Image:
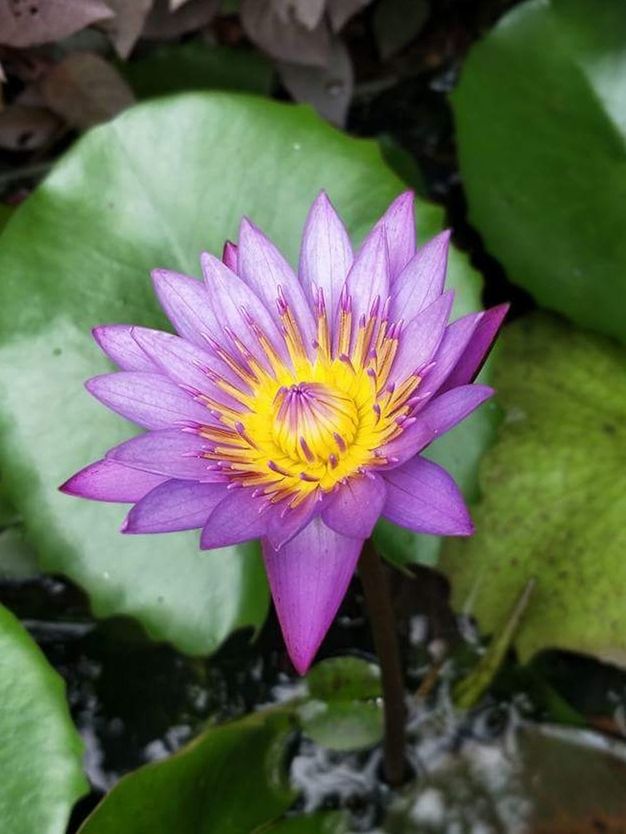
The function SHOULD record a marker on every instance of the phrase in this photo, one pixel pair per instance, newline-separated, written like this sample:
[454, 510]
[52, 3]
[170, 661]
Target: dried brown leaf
[32, 22]
[340, 11]
[328, 89]
[85, 90]
[285, 40]
[163, 24]
[126, 27]
[27, 128]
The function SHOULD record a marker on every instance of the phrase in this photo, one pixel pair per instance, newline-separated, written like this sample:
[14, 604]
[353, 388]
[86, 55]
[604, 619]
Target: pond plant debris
[294, 408]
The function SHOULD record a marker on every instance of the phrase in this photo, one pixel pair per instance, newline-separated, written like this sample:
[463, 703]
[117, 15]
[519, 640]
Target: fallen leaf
[27, 128]
[163, 24]
[328, 89]
[33, 22]
[126, 27]
[287, 41]
[85, 90]
[340, 11]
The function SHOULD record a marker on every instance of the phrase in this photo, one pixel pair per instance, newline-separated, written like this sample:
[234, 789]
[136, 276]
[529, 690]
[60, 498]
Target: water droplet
[334, 88]
[297, 146]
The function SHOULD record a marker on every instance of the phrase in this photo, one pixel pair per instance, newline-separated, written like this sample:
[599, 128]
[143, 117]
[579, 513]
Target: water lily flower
[295, 408]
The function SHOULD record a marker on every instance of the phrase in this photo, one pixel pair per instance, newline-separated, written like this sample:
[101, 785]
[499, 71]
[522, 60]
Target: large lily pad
[228, 780]
[554, 495]
[40, 751]
[541, 135]
[154, 187]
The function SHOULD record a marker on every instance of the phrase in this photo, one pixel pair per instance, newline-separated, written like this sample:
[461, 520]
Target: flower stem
[382, 623]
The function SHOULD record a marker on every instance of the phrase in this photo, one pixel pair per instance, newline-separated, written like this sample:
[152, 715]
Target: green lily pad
[40, 751]
[342, 725]
[154, 187]
[554, 491]
[229, 780]
[343, 678]
[328, 823]
[196, 65]
[541, 136]
[18, 559]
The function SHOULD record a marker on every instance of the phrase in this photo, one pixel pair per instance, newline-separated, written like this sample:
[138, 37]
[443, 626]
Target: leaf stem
[382, 623]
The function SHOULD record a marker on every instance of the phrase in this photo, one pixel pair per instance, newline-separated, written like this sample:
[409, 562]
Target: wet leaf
[342, 725]
[85, 90]
[198, 66]
[229, 780]
[40, 751]
[32, 22]
[554, 494]
[343, 679]
[328, 89]
[78, 252]
[27, 128]
[546, 182]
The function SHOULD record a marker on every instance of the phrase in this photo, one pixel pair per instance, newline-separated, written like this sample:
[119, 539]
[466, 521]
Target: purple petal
[174, 505]
[106, 480]
[173, 453]
[325, 255]
[268, 274]
[478, 349]
[285, 523]
[234, 305]
[354, 508]
[116, 342]
[230, 257]
[150, 400]
[422, 279]
[187, 364]
[238, 517]
[308, 578]
[368, 278]
[440, 415]
[421, 338]
[454, 342]
[423, 497]
[399, 222]
[186, 303]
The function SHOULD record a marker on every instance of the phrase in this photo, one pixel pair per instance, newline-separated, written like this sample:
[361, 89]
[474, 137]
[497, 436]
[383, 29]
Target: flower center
[313, 422]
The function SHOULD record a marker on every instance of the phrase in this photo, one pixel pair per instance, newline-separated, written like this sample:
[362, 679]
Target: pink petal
[309, 578]
[237, 518]
[423, 497]
[268, 274]
[106, 480]
[399, 222]
[422, 279]
[234, 305]
[478, 349]
[440, 415]
[174, 505]
[187, 364]
[325, 255]
[455, 340]
[172, 453]
[354, 508]
[150, 400]
[186, 304]
[230, 257]
[421, 338]
[368, 278]
[116, 342]
[285, 523]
